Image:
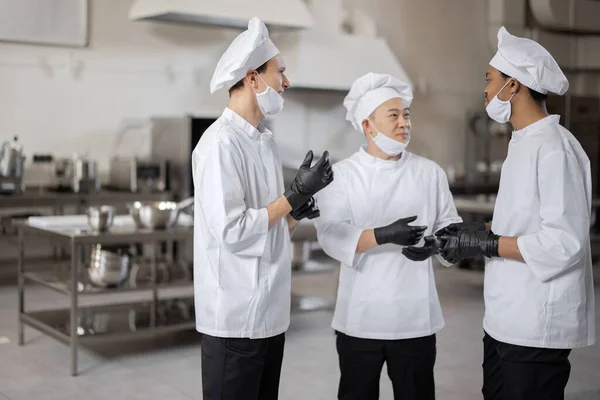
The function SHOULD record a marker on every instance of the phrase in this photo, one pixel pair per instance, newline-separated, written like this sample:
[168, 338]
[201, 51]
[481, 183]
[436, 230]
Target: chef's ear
[366, 127]
[514, 86]
[252, 78]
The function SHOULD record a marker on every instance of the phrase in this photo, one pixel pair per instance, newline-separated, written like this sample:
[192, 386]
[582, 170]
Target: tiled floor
[169, 367]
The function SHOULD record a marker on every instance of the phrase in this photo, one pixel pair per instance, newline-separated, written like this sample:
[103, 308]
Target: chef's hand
[453, 229]
[309, 180]
[469, 244]
[430, 248]
[307, 210]
[400, 232]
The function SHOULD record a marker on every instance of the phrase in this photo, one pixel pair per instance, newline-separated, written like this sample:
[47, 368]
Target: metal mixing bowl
[100, 218]
[107, 268]
[157, 214]
[154, 214]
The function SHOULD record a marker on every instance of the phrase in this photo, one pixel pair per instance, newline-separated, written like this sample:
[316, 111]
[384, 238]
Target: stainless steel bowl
[157, 214]
[100, 218]
[108, 269]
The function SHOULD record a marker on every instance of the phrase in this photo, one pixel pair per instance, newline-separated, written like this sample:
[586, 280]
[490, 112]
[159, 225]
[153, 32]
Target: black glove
[469, 244]
[309, 180]
[400, 232]
[453, 229]
[307, 210]
[430, 248]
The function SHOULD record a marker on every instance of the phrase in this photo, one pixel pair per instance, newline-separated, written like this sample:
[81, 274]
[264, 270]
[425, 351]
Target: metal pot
[157, 214]
[11, 159]
[108, 269]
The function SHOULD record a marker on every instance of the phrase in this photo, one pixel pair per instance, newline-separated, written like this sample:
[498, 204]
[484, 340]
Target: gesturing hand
[399, 232]
[309, 180]
[430, 248]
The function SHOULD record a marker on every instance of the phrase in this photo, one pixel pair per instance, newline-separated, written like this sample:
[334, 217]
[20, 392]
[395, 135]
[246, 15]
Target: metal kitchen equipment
[11, 167]
[100, 218]
[139, 175]
[108, 268]
[174, 139]
[157, 215]
[77, 174]
[63, 324]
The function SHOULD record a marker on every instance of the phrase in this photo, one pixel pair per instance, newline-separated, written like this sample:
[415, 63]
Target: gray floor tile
[169, 367]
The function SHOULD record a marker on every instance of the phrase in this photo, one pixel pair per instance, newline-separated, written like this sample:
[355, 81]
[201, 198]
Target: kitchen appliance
[11, 167]
[174, 139]
[77, 174]
[139, 175]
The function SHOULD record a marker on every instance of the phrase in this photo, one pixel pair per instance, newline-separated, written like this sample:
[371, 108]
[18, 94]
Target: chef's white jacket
[382, 294]
[242, 269]
[544, 199]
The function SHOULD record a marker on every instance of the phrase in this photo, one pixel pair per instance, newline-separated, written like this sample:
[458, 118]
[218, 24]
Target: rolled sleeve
[565, 218]
[445, 208]
[239, 229]
[336, 235]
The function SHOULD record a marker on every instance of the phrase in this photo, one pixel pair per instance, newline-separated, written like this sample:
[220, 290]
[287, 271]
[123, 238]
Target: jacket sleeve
[445, 208]
[336, 235]
[241, 230]
[565, 218]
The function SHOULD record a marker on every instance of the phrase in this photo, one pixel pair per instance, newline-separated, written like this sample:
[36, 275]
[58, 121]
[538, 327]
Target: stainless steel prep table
[39, 198]
[65, 325]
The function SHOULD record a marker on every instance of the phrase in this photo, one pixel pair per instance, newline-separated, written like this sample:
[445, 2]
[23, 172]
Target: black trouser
[410, 365]
[512, 372]
[235, 369]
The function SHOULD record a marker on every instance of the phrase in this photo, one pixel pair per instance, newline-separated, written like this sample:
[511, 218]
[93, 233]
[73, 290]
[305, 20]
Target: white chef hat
[370, 91]
[251, 49]
[529, 63]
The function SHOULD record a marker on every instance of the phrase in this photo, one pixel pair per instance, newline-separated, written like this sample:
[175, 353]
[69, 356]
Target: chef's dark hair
[537, 96]
[240, 84]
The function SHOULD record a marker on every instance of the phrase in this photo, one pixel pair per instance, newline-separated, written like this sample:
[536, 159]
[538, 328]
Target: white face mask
[270, 102]
[388, 145]
[498, 110]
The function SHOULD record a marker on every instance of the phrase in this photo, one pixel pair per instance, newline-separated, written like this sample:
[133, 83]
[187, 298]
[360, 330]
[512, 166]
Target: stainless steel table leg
[154, 305]
[74, 338]
[21, 271]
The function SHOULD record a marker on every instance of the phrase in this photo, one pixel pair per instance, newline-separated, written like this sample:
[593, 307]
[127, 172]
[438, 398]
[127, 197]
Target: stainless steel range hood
[224, 13]
[326, 58]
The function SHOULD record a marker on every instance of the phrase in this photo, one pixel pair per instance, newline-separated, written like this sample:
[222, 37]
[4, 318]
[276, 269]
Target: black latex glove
[453, 229]
[309, 180]
[469, 244]
[400, 232]
[430, 248]
[307, 210]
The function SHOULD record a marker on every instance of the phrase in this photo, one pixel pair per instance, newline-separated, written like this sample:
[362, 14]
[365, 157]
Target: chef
[539, 294]
[384, 198]
[242, 256]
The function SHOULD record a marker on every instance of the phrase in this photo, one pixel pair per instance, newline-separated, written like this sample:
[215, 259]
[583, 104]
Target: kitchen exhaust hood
[325, 58]
[224, 13]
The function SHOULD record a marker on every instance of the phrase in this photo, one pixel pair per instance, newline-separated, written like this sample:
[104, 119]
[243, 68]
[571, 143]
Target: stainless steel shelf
[62, 285]
[113, 322]
[107, 322]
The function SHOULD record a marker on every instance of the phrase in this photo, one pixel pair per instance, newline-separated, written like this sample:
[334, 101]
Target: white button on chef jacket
[544, 199]
[242, 269]
[382, 294]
